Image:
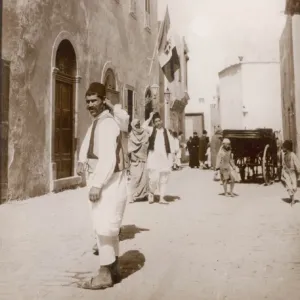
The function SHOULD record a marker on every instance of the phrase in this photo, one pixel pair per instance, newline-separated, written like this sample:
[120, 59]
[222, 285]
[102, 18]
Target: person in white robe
[122, 119]
[159, 162]
[103, 158]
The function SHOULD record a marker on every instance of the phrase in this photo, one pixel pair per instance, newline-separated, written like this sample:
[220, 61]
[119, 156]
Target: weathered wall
[231, 98]
[261, 95]
[287, 81]
[100, 31]
[296, 57]
[214, 118]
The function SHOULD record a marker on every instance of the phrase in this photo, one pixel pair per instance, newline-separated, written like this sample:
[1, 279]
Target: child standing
[290, 169]
[226, 166]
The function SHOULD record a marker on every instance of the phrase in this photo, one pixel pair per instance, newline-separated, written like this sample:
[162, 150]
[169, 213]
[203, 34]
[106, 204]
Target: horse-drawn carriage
[255, 153]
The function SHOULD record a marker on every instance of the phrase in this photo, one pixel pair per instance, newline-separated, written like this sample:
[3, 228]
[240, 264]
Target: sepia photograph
[150, 150]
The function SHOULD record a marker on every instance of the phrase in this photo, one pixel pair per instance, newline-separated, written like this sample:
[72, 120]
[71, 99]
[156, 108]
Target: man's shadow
[131, 262]
[128, 232]
[288, 200]
[170, 198]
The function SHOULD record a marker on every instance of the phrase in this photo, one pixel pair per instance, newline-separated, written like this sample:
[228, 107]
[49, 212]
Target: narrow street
[202, 246]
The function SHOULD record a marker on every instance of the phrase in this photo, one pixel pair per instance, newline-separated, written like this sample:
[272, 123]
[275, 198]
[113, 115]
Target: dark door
[5, 71]
[130, 106]
[63, 149]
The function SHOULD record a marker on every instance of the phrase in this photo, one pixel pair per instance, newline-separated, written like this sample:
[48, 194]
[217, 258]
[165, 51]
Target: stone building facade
[178, 92]
[55, 50]
[290, 74]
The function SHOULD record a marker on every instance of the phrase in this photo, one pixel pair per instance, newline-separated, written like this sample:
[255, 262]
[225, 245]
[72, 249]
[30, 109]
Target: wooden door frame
[75, 82]
[54, 184]
[4, 130]
[72, 81]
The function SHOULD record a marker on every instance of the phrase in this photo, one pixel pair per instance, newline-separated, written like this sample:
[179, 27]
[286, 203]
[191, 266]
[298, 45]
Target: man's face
[157, 123]
[227, 146]
[195, 134]
[95, 105]
[284, 150]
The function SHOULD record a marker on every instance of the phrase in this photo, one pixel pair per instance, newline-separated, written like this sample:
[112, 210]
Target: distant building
[290, 74]
[194, 122]
[215, 123]
[250, 96]
[178, 92]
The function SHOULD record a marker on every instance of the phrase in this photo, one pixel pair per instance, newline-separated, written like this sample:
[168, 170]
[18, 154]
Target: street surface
[202, 246]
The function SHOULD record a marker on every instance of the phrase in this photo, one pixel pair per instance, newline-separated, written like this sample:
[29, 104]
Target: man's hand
[108, 103]
[94, 194]
[80, 168]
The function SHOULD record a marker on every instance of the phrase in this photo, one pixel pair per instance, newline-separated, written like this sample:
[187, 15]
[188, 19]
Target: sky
[218, 31]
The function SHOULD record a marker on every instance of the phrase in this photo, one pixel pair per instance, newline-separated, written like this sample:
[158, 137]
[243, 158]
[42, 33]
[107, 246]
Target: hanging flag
[167, 51]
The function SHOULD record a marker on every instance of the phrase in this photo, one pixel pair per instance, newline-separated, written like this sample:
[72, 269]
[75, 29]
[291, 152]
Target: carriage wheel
[268, 166]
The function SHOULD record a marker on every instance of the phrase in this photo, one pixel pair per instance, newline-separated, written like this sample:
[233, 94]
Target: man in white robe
[160, 159]
[103, 158]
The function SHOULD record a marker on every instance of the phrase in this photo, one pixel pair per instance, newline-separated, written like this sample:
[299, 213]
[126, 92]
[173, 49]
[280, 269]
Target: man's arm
[83, 153]
[120, 115]
[146, 124]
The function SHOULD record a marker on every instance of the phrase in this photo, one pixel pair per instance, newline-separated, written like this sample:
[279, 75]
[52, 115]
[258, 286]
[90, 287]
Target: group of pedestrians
[199, 151]
[116, 164]
[151, 152]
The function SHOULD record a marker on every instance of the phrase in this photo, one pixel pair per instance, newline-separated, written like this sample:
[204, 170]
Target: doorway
[130, 107]
[5, 84]
[64, 144]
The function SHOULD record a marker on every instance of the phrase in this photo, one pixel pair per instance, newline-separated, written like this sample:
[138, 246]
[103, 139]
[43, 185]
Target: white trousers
[158, 181]
[108, 247]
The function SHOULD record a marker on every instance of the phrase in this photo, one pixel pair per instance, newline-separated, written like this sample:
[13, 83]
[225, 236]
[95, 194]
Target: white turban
[226, 141]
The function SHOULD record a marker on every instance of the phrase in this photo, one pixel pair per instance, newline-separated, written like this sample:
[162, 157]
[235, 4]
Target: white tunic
[158, 159]
[107, 213]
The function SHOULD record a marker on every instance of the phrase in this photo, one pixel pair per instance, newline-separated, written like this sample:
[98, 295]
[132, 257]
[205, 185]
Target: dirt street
[202, 246]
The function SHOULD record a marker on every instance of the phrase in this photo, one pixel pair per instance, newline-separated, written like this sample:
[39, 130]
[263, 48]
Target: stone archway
[148, 103]
[63, 131]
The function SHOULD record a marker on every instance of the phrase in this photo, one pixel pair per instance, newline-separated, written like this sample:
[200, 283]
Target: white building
[250, 96]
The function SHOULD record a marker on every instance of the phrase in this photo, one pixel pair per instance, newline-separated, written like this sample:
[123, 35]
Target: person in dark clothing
[188, 148]
[194, 151]
[203, 143]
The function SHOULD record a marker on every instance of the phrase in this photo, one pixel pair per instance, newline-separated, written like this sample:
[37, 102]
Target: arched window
[110, 84]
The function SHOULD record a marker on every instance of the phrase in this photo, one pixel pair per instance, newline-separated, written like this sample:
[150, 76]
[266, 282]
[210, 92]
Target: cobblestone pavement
[201, 246]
